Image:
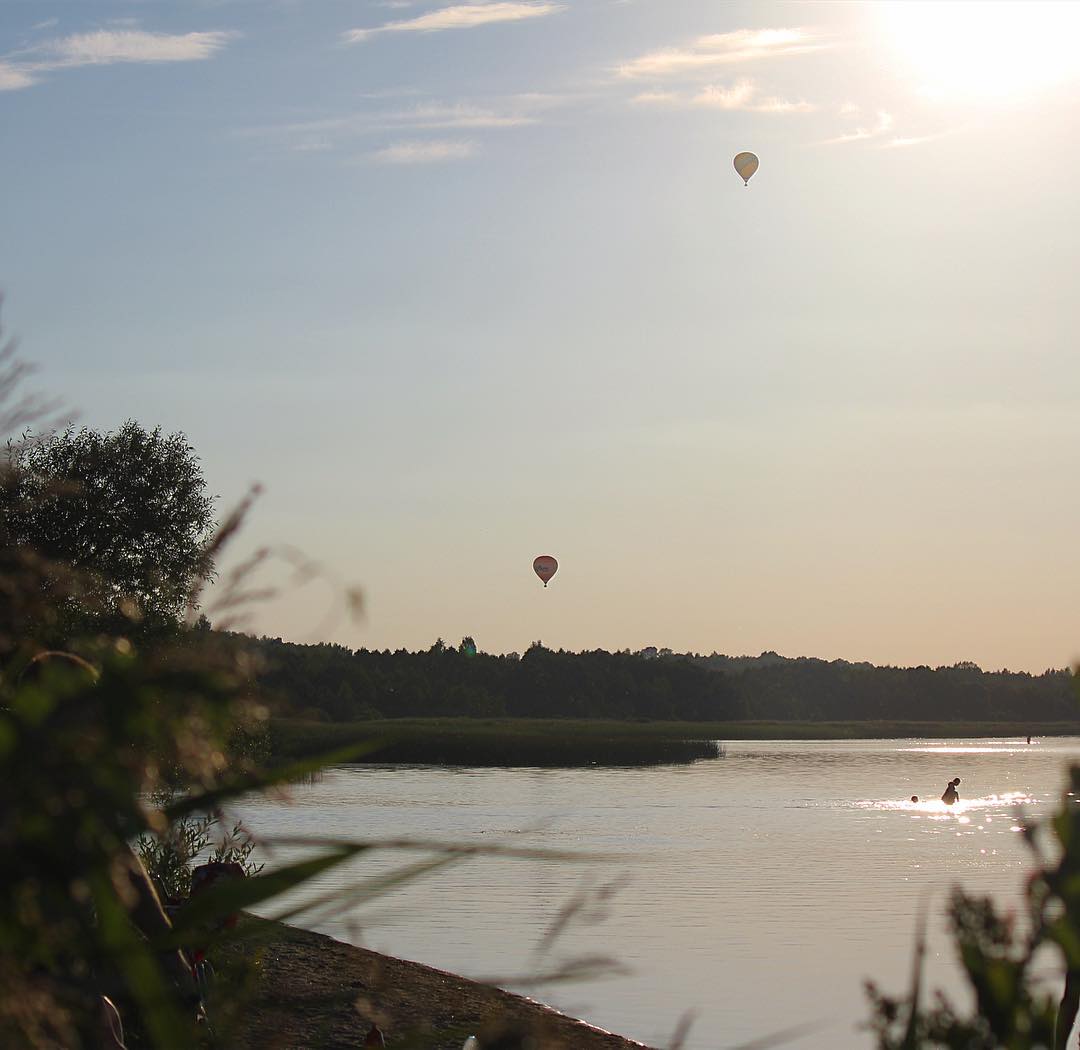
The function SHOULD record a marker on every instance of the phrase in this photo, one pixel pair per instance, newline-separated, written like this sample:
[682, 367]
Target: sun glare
[980, 50]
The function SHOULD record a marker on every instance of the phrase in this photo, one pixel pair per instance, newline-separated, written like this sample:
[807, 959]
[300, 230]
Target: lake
[758, 890]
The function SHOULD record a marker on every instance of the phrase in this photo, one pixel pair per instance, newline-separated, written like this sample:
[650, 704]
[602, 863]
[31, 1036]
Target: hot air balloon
[746, 165]
[545, 567]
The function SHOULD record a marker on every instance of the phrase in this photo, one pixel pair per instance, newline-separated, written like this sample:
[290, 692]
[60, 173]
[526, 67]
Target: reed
[497, 742]
[570, 743]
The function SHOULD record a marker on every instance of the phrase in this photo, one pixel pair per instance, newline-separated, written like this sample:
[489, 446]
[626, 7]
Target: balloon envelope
[746, 165]
[545, 567]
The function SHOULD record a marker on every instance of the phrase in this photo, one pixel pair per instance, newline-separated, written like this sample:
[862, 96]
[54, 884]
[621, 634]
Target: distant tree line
[807, 689]
[335, 683]
[340, 684]
[117, 526]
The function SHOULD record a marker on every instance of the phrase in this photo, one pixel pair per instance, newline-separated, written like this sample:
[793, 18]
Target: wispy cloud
[462, 116]
[742, 95]
[128, 45]
[735, 97]
[326, 133]
[656, 98]
[106, 47]
[881, 134]
[13, 78]
[774, 104]
[460, 16]
[882, 125]
[903, 141]
[430, 151]
[717, 49]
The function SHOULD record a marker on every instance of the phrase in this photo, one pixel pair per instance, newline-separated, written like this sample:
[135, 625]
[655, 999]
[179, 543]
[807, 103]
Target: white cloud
[461, 116]
[735, 97]
[741, 45]
[881, 126]
[513, 111]
[431, 151]
[881, 133]
[903, 141]
[105, 47]
[742, 95]
[12, 78]
[782, 105]
[460, 16]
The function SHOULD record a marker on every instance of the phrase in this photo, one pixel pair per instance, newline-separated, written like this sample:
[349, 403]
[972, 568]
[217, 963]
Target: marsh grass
[498, 742]
[570, 743]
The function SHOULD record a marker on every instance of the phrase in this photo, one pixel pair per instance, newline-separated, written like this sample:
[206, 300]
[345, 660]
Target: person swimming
[914, 798]
[950, 794]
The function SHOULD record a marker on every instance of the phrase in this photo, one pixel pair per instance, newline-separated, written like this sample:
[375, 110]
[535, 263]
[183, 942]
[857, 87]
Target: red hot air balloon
[545, 567]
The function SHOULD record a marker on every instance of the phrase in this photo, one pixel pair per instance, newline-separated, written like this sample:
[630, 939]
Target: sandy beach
[309, 990]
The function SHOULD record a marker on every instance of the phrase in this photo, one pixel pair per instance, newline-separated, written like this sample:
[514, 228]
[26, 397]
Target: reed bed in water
[497, 742]
[569, 743]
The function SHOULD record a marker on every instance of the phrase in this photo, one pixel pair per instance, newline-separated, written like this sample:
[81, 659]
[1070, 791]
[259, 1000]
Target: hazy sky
[461, 284]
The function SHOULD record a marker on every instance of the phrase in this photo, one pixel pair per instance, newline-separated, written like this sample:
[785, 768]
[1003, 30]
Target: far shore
[888, 730]
[579, 743]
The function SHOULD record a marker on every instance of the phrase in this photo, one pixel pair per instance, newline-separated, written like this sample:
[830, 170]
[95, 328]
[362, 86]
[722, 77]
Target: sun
[984, 50]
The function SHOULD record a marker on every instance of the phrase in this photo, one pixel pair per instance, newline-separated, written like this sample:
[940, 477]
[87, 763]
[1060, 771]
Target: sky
[458, 284]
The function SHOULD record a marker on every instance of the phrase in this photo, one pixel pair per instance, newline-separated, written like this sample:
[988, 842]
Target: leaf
[141, 971]
[257, 781]
[228, 897]
[370, 888]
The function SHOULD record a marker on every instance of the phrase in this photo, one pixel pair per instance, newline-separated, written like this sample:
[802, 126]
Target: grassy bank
[552, 742]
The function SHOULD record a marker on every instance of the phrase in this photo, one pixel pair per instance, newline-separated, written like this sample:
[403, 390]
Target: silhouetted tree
[127, 510]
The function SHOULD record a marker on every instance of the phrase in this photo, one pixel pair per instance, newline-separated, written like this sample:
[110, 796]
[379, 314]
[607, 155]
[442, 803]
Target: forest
[330, 682]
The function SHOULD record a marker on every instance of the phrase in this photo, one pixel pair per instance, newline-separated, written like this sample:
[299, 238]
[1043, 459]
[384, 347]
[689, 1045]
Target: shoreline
[309, 990]
[891, 729]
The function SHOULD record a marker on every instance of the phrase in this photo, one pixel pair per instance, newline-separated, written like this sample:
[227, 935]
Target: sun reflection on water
[964, 749]
[1006, 804]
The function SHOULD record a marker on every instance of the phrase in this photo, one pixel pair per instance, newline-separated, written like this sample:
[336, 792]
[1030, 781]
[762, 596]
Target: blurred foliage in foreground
[93, 559]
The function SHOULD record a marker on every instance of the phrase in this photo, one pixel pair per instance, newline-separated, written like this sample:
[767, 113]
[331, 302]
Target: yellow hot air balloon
[746, 165]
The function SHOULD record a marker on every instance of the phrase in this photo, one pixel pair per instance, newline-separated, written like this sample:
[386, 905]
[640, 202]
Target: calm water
[759, 891]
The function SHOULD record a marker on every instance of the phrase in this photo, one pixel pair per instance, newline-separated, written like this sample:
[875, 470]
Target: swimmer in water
[951, 795]
[914, 798]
